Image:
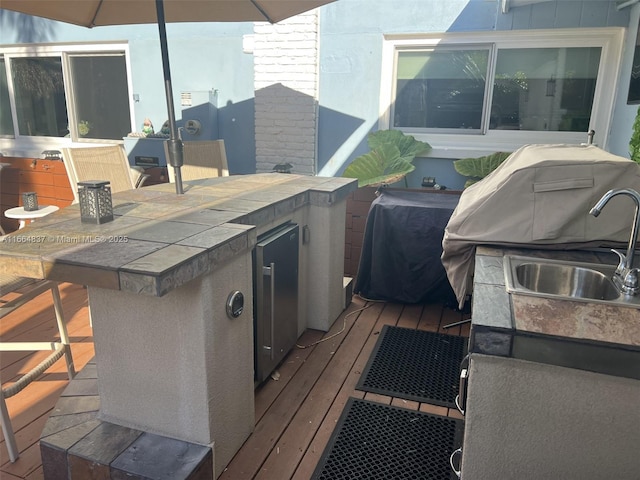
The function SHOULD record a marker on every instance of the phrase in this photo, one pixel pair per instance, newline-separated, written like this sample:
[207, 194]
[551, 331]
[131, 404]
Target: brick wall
[286, 92]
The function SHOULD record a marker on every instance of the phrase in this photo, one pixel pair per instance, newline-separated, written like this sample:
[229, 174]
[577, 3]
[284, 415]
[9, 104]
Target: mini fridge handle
[270, 271]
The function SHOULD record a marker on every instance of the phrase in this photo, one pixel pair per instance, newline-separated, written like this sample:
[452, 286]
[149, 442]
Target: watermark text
[70, 239]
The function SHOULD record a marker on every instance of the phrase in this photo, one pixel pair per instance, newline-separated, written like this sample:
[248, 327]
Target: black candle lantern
[30, 201]
[94, 197]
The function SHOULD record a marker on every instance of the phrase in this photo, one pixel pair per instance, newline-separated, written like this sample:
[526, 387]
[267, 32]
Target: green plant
[634, 143]
[390, 159]
[479, 167]
[84, 127]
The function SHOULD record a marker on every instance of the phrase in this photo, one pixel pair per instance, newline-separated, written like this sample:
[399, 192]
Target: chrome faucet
[625, 277]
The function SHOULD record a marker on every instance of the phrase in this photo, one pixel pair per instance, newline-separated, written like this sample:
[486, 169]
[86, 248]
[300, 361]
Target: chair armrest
[142, 180]
[138, 177]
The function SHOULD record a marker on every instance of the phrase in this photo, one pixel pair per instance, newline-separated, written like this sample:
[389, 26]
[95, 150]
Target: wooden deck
[30, 408]
[295, 415]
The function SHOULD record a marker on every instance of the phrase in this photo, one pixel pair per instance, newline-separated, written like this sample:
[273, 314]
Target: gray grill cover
[540, 197]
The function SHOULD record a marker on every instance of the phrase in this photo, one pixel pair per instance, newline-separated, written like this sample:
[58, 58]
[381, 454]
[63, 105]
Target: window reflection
[6, 121]
[544, 89]
[40, 99]
[80, 95]
[100, 96]
[441, 89]
[534, 89]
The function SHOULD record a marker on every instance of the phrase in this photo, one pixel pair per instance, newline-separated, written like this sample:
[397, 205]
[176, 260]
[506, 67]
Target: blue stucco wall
[351, 55]
[203, 57]
[209, 56]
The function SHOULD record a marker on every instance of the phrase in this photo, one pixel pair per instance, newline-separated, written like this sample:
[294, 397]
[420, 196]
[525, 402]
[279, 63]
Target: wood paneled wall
[48, 178]
[358, 205]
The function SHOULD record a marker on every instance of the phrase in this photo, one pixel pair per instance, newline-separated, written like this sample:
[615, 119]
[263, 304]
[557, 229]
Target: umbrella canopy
[94, 13]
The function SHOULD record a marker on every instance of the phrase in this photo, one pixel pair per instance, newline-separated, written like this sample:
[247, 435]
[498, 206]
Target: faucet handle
[623, 259]
[626, 279]
[628, 282]
[631, 280]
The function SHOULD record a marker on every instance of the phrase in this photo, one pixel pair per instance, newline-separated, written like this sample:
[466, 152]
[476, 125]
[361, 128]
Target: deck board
[30, 408]
[290, 448]
[295, 415]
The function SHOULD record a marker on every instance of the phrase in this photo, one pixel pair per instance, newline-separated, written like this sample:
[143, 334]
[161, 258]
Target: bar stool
[28, 289]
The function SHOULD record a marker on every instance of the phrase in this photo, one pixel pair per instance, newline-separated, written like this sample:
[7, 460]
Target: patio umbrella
[95, 13]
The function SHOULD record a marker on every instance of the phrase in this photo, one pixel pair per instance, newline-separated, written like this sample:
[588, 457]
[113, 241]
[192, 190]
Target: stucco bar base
[76, 444]
[177, 366]
[535, 421]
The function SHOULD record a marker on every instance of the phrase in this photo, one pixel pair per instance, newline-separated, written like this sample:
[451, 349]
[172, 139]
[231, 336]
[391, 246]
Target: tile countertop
[586, 336]
[159, 240]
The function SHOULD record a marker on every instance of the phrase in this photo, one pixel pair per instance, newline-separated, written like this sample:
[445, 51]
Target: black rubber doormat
[415, 365]
[375, 441]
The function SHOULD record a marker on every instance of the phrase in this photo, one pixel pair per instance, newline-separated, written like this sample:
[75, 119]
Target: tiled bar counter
[170, 362]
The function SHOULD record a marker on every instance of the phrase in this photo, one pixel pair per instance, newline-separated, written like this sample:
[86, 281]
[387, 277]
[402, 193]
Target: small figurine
[166, 129]
[147, 127]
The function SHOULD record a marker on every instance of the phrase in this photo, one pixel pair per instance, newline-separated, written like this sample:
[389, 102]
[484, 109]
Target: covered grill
[540, 197]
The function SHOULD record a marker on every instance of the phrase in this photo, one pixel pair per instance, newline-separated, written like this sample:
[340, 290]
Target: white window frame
[456, 145]
[63, 50]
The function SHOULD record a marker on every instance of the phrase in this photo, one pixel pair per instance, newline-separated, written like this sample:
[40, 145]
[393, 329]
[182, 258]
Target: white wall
[286, 91]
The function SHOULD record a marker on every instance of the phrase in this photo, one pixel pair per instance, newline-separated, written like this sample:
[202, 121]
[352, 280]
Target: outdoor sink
[578, 281]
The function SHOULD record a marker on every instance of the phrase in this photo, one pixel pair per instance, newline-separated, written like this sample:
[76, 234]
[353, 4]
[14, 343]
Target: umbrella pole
[175, 149]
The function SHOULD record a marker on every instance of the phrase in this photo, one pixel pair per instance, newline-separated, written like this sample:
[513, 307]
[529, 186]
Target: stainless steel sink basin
[584, 282]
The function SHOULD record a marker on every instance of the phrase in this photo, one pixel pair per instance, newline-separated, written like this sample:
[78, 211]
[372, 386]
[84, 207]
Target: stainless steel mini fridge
[276, 297]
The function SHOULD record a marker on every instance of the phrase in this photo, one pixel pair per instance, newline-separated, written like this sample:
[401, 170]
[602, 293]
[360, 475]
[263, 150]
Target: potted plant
[389, 160]
[634, 143]
[84, 127]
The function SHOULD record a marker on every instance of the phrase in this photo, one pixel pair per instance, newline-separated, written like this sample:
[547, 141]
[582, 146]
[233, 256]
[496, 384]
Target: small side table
[19, 213]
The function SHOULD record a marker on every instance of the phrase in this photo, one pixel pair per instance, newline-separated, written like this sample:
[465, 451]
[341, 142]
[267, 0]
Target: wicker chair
[102, 163]
[203, 159]
[27, 289]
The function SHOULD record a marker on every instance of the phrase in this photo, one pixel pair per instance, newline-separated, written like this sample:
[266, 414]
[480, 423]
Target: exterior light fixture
[94, 197]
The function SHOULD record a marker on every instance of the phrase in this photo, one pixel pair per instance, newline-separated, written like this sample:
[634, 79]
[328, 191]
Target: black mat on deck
[375, 441]
[415, 365]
